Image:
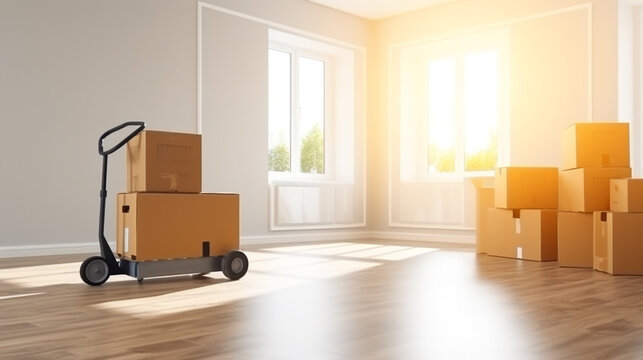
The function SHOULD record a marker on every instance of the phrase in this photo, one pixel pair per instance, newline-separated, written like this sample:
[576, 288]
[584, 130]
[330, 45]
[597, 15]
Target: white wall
[71, 69]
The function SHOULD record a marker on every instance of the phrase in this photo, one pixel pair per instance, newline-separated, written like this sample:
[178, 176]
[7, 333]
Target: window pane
[481, 110]
[311, 115]
[442, 124]
[279, 110]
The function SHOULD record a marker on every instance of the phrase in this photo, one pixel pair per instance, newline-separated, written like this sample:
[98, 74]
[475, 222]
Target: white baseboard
[278, 238]
[51, 249]
[465, 238]
[288, 238]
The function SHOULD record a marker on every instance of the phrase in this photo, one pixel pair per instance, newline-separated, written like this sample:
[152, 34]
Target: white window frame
[458, 48]
[295, 172]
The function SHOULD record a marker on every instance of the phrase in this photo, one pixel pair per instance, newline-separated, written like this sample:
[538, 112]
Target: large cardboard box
[523, 234]
[587, 189]
[575, 239]
[526, 188]
[618, 246]
[596, 145]
[153, 226]
[160, 161]
[626, 195]
[484, 200]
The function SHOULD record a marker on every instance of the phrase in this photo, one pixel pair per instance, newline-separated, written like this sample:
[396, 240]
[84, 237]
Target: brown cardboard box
[626, 195]
[159, 161]
[526, 188]
[484, 200]
[523, 234]
[153, 226]
[618, 247]
[596, 145]
[587, 189]
[575, 239]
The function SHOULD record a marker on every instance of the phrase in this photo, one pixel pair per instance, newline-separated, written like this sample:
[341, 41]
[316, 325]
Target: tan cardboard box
[526, 188]
[160, 161]
[575, 239]
[587, 189]
[618, 247]
[596, 145]
[484, 200]
[153, 226]
[523, 234]
[626, 195]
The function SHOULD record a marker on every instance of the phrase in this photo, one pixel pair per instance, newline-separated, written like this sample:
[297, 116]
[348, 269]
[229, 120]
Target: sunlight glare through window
[481, 111]
[442, 131]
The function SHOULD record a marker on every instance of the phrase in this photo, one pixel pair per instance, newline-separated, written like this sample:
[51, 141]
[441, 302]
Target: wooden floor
[350, 300]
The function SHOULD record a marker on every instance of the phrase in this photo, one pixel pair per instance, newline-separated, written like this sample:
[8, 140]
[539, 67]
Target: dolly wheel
[94, 271]
[234, 265]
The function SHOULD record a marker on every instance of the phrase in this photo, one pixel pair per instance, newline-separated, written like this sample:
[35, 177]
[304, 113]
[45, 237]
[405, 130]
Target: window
[453, 107]
[316, 90]
[462, 113]
[297, 111]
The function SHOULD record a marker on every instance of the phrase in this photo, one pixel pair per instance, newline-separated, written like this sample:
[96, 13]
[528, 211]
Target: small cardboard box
[523, 234]
[618, 249]
[154, 226]
[626, 195]
[575, 239]
[160, 161]
[596, 145]
[587, 189]
[526, 188]
[484, 200]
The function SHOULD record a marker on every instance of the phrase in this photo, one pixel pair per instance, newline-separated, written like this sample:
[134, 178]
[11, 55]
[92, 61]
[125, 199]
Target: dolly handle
[141, 126]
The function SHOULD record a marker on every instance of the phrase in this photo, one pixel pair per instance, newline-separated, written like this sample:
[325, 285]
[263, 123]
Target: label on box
[126, 239]
[518, 252]
[517, 226]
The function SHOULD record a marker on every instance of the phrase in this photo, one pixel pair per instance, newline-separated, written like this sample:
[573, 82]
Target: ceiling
[378, 9]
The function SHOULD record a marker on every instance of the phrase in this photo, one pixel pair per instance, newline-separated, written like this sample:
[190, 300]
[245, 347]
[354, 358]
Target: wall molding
[467, 237]
[281, 238]
[396, 46]
[51, 249]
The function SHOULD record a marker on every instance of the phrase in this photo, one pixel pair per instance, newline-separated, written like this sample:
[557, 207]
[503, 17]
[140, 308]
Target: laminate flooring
[332, 300]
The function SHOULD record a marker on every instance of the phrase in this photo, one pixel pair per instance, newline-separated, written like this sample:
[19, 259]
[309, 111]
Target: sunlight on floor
[44, 275]
[264, 277]
[360, 251]
[253, 284]
[456, 305]
[19, 295]
[271, 269]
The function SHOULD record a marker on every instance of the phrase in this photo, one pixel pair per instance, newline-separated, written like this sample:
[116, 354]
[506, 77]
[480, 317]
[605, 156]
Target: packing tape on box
[603, 229]
[126, 239]
[518, 252]
[517, 226]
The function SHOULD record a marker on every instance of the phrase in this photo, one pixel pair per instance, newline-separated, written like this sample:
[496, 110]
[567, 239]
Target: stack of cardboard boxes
[592, 154]
[590, 214]
[164, 215]
[522, 223]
